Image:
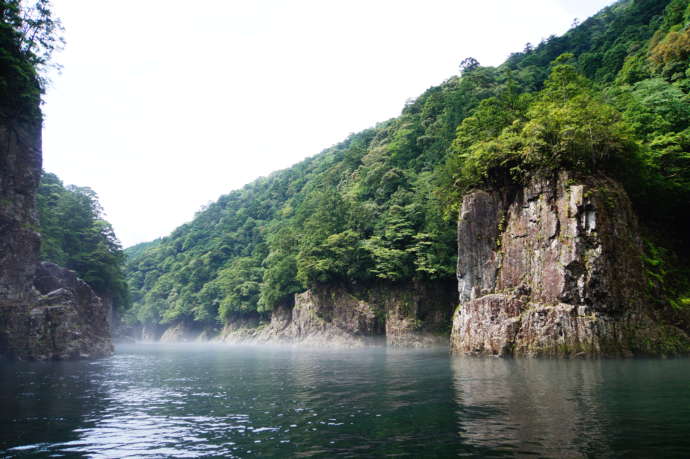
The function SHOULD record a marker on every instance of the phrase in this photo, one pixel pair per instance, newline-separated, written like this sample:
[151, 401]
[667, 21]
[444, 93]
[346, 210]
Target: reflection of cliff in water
[530, 406]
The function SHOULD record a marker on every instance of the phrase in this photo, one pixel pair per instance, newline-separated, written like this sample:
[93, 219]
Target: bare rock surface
[417, 315]
[332, 316]
[69, 320]
[324, 317]
[552, 269]
[179, 333]
[46, 312]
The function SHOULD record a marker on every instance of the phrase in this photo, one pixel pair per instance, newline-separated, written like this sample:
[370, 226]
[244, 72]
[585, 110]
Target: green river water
[243, 401]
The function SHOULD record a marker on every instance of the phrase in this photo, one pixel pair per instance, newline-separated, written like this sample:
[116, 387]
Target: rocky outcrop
[402, 315]
[184, 332]
[177, 333]
[69, 320]
[326, 316]
[330, 315]
[46, 312]
[61, 319]
[20, 168]
[553, 268]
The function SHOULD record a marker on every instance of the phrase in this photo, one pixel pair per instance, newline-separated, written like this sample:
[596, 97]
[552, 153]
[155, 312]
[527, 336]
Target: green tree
[28, 36]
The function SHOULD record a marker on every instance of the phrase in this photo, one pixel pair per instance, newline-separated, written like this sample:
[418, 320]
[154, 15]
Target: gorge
[567, 166]
[593, 265]
[503, 269]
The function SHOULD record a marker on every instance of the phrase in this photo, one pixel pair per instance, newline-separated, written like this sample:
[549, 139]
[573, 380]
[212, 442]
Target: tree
[468, 64]
[28, 36]
[74, 234]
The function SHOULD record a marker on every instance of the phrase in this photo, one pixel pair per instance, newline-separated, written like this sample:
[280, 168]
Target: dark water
[158, 401]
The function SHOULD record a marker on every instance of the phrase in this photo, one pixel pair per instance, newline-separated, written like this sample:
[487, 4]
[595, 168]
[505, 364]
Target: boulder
[68, 320]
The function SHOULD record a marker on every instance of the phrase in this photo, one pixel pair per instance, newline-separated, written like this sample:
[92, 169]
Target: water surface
[227, 401]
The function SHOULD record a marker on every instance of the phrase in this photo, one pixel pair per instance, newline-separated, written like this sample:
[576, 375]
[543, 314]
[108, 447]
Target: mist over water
[239, 401]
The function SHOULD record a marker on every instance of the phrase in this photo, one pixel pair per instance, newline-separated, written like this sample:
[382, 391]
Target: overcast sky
[163, 105]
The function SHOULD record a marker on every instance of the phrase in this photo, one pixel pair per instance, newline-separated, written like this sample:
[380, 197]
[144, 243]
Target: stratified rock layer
[554, 268]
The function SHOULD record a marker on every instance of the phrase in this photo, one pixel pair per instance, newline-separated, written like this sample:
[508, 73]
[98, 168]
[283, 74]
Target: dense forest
[609, 96]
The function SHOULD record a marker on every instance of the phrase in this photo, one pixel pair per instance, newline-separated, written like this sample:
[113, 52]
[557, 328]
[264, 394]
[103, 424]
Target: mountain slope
[380, 207]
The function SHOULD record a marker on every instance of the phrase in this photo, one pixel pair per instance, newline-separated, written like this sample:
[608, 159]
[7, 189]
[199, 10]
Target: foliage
[668, 282]
[28, 36]
[74, 234]
[610, 96]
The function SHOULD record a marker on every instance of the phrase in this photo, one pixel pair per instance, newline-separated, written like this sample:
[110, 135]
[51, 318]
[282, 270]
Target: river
[239, 401]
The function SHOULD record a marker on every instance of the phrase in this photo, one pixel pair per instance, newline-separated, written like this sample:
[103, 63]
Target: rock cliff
[20, 166]
[554, 269]
[20, 172]
[403, 315]
[68, 320]
[324, 317]
[46, 312]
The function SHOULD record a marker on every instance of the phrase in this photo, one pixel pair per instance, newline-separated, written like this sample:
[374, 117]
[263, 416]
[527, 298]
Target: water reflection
[543, 407]
[194, 401]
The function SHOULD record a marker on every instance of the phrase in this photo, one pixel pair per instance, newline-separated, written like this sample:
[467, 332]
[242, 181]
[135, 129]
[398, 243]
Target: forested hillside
[74, 234]
[610, 96]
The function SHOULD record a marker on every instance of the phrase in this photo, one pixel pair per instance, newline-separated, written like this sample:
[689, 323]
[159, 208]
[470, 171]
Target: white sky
[164, 105]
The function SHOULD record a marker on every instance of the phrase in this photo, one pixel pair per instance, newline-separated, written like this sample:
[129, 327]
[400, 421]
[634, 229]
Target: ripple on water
[158, 401]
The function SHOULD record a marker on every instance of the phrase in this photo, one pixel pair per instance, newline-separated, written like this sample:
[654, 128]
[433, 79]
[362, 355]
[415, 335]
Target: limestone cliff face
[45, 311]
[553, 268]
[400, 315]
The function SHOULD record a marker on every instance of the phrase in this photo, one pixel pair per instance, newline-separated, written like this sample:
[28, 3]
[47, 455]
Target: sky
[162, 106]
